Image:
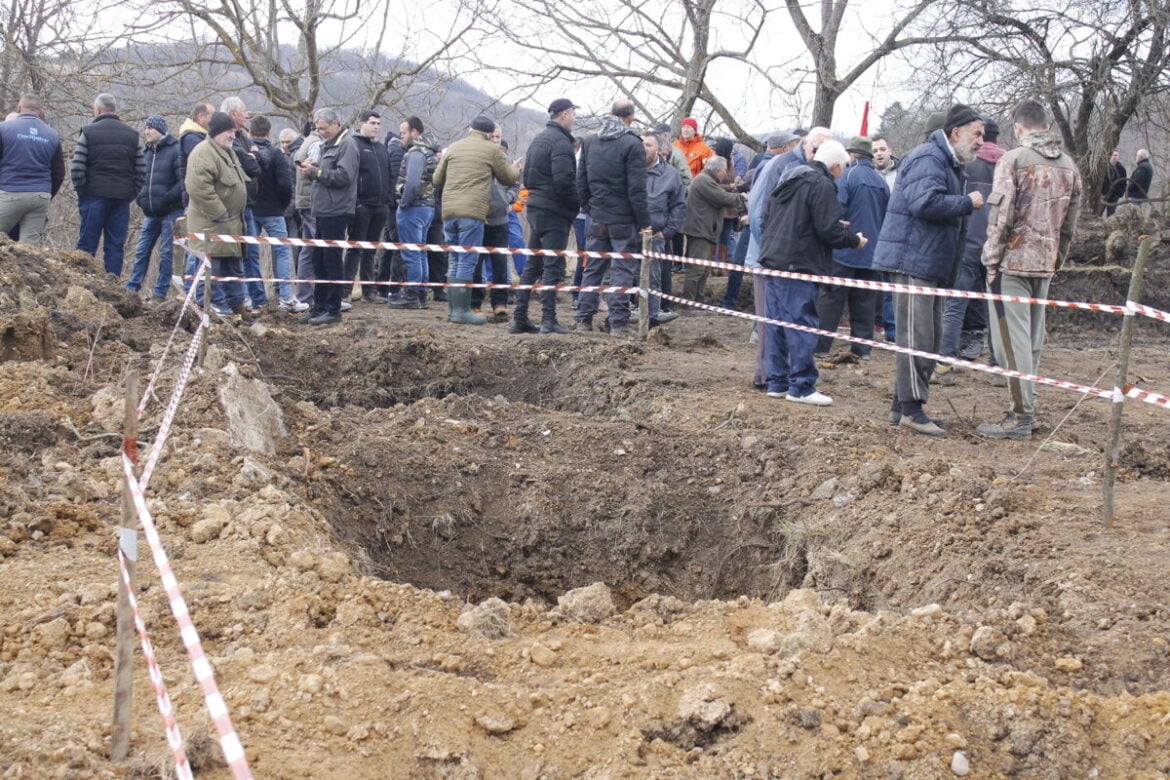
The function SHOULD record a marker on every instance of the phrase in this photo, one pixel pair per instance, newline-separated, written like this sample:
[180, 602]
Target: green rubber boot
[459, 304]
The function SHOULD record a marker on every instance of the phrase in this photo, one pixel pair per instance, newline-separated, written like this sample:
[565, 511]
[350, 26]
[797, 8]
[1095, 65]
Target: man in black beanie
[921, 245]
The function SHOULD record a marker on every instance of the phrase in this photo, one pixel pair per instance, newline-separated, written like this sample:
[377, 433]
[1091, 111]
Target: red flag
[865, 119]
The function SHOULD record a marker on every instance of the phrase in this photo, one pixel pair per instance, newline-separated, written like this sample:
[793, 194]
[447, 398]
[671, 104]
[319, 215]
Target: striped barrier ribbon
[164, 428]
[187, 302]
[165, 709]
[229, 742]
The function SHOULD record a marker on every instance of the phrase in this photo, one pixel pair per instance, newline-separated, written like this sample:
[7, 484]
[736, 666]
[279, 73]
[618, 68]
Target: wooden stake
[128, 543]
[1113, 451]
[644, 283]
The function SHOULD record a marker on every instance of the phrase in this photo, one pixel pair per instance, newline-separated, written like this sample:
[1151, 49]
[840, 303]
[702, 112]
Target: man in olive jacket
[465, 176]
[706, 201]
[216, 187]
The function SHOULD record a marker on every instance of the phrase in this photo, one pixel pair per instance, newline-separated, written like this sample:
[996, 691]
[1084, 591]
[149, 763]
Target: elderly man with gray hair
[334, 199]
[802, 226]
[706, 200]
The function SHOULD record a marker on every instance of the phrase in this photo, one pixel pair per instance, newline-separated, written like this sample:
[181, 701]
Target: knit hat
[859, 144]
[934, 122]
[559, 105]
[958, 116]
[691, 123]
[483, 124]
[990, 129]
[157, 122]
[218, 123]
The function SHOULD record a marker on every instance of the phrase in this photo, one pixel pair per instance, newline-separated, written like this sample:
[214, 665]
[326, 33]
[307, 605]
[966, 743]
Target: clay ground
[788, 592]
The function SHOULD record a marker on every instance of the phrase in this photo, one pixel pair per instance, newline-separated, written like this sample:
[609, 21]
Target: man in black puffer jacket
[611, 185]
[375, 186]
[550, 174]
[801, 228]
[161, 201]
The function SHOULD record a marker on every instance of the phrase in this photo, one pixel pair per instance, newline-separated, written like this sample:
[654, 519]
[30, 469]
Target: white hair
[1143, 154]
[832, 153]
[715, 164]
[233, 104]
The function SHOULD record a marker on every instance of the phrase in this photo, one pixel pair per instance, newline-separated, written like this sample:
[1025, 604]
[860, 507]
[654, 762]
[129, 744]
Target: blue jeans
[462, 231]
[252, 261]
[154, 229]
[735, 278]
[970, 278]
[106, 217]
[230, 294]
[281, 256]
[789, 358]
[516, 241]
[413, 224]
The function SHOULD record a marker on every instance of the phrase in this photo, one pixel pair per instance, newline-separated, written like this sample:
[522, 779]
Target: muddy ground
[391, 534]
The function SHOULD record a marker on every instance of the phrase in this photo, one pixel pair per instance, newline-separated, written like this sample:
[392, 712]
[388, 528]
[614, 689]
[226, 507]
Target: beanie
[691, 123]
[958, 116]
[990, 129]
[157, 122]
[218, 123]
[483, 124]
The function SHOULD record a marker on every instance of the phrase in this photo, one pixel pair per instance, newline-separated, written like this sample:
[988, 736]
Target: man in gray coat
[706, 201]
[666, 197]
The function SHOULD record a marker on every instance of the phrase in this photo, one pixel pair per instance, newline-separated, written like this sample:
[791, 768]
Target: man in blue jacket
[863, 195]
[161, 201]
[32, 168]
[802, 225]
[920, 245]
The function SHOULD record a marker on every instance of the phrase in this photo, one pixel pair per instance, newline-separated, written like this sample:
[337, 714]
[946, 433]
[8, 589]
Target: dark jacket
[249, 162]
[550, 172]
[802, 223]
[980, 176]
[108, 161]
[706, 201]
[1113, 187]
[30, 156]
[1140, 181]
[395, 151]
[666, 197]
[416, 178]
[374, 182]
[864, 196]
[276, 180]
[165, 170]
[335, 181]
[920, 236]
[611, 176]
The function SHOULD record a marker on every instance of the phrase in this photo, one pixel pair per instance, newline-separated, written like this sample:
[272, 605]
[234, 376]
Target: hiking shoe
[896, 417]
[1010, 427]
[293, 306]
[944, 374]
[973, 347]
[500, 313]
[324, 318]
[620, 332]
[666, 316]
[923, 425]
[518, 326]
[814, 398]
[583, 326]
[552, 327]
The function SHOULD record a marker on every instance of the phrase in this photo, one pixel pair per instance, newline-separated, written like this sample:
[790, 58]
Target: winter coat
[1140, 181]
[1034, 204]
[611, 176]
[165, 169]
[696, 153]
[666, 197]
[276, 180]
[31, 159]
[864, 196]
[335, 180]
[108, 161]
[466, 172]
[191, 134]
[395, 151]
[242, 145]
[924, 220]
[550, 172]
[217, 189]
[374, 182]
[416, 177]
[1114, 185]
[706, 201]
[802, 223]
[980, 175]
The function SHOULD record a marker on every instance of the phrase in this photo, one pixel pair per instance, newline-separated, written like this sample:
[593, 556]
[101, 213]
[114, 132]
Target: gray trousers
[30, 210]
[304, 289]
[919, 324]
[1017, 335]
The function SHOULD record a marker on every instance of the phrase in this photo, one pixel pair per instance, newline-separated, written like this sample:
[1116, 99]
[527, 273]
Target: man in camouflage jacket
[1035, 200]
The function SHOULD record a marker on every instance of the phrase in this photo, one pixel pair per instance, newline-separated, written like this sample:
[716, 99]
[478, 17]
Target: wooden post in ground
[128, 543]
[644, 283]
[1113, 451]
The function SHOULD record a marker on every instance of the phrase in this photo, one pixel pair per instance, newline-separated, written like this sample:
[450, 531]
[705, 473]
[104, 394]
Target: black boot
[549, 325]
[521, 324]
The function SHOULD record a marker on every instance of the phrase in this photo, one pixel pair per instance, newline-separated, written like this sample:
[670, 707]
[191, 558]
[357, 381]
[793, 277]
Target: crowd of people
[956, 211]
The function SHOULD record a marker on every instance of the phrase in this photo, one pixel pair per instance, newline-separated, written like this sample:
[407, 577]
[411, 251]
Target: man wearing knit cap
[161, 201]
[465, 174]
[920, 245]
[692, 145]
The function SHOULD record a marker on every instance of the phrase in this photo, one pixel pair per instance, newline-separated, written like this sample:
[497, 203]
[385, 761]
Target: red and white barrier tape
[1145, 395]
[187, 302]
[165, 709]
[1090, 390]
[1148, 311]
[164, 428]
[229, 742]
[338, 243]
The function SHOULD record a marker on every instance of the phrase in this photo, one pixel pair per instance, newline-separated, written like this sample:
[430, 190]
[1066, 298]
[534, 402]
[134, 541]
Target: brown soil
[788, 592]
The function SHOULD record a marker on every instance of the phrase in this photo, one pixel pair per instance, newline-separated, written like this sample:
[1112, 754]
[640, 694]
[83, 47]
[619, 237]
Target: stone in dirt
[591, 604]
[255, 420]
[703, 707]
[990, 644]
[207, 529]
[959, 764]
[541, 655]
[495, 722]
[489, 619]
[765, 640]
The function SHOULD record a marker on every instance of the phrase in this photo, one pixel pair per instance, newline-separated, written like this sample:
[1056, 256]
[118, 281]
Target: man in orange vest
[691, 144]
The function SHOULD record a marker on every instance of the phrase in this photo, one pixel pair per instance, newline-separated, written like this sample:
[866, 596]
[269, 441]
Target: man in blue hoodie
[920, 245]
[32, 168]
[161, 201]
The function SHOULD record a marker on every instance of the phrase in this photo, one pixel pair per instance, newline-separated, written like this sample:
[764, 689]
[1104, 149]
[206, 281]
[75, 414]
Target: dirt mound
[463, 554]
